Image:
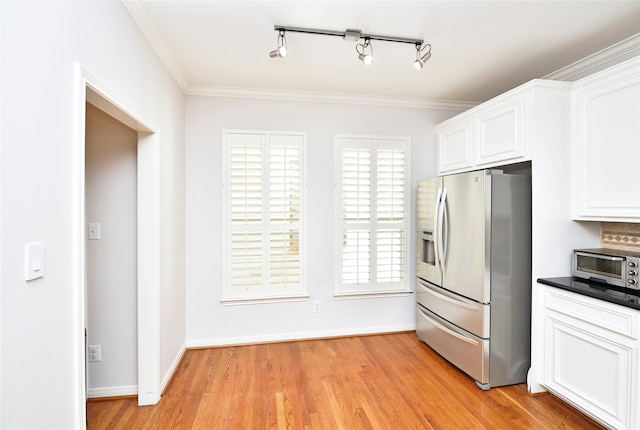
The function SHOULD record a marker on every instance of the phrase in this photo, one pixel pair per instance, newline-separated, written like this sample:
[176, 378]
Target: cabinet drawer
[614, 318]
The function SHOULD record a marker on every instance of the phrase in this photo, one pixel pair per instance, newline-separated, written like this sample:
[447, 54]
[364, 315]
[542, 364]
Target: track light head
[363, 55]
[281, 50]
[366, 58]
[420, 60]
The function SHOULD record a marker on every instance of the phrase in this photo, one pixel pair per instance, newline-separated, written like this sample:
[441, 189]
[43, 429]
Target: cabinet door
[607, 146]
[501, 131]
[455, 145]
[591, 372]
[591, 350]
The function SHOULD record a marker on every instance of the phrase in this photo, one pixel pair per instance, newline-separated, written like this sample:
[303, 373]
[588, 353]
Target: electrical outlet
[94, 231]
[94, 353]
[316, 306]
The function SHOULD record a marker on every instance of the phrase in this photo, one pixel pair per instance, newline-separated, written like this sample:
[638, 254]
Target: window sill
[371, 295]
[262, 300]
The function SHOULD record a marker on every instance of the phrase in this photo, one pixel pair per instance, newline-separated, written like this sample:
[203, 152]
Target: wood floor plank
[380, 382]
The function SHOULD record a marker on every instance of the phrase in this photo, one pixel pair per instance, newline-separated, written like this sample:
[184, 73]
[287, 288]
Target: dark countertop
[620, 296]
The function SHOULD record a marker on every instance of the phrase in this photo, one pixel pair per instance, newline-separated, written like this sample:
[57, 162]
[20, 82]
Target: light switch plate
[34, 261]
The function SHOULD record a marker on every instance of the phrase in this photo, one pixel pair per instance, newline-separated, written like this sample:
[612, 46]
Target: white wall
[111, 199]
[208, 321]
[41, 331]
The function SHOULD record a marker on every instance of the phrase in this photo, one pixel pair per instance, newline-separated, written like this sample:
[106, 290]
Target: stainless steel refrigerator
[474, 273]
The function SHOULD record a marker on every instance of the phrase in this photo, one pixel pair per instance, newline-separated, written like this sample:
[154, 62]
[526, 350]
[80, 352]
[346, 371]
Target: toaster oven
[610, 266]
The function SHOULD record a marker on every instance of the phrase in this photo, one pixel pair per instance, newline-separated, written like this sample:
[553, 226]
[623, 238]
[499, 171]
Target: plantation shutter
[391, 202]
[373, 199]
[265, 209]
[284, 204]
[246, 211]
[356, 215]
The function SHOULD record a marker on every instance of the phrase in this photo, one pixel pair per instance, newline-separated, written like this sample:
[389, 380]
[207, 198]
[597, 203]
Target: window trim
[373, 288]
[229, 296]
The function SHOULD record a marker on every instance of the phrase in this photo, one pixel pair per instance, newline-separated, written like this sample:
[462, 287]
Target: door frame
[89, 89]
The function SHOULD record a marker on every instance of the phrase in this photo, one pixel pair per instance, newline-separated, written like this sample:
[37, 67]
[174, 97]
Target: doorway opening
[111, 254]
[93, 92]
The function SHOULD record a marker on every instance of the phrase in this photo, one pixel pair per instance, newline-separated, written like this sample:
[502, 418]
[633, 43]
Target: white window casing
[373, 207]
[264, 210]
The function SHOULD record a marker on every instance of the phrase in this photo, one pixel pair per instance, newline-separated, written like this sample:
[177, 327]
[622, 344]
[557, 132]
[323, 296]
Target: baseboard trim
[288, 337]
[172, 370]
[107, 393]
[123, 391]
[104, 399]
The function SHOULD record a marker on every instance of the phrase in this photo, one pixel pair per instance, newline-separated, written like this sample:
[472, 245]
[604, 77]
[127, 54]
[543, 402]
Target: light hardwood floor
[382, 382]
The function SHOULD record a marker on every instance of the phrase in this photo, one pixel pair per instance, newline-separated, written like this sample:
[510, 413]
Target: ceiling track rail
[349, 34]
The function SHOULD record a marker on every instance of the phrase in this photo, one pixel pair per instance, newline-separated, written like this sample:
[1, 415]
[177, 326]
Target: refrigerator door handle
[436, 234]
[442, 231]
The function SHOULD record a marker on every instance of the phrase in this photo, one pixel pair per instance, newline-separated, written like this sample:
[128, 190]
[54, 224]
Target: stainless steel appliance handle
[600, 256]
[448, 331]
[435, 228]
[442, 245]
[446, 298]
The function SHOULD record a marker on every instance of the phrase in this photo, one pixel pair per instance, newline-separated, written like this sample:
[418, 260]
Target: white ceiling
[480, 48]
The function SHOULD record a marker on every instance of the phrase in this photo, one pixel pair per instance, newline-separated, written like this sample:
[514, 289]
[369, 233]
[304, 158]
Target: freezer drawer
[464, 350]
[468, 314]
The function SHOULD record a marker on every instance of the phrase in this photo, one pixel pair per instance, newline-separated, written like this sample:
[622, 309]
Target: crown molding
[157, 43]
[324, 97]
[136, 11]
[613, 54]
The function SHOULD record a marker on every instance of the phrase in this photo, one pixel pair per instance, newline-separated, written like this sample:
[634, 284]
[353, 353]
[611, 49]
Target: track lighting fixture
[363, 55]
[364, 50]
[420, 60]
[281, 50]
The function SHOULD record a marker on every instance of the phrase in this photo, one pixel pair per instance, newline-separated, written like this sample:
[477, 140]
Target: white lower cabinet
[591, 357]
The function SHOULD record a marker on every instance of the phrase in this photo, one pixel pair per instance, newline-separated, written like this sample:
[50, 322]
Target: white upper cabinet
[500, 130]
[497, 132]
[606, 145]
[455, 145]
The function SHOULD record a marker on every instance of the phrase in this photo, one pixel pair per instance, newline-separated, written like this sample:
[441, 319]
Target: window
[373, 206]
[264, 214]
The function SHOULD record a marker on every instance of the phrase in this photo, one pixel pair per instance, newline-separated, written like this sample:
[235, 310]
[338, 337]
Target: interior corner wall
[42, 44]
[211, 323]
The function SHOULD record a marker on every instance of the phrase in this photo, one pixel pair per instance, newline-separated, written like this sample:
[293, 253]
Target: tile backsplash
[621, 235]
